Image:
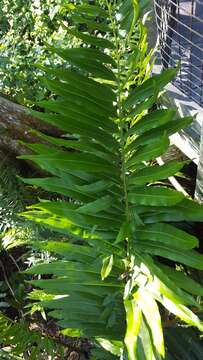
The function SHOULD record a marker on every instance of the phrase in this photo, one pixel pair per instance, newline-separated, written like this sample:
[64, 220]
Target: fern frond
[110, 280]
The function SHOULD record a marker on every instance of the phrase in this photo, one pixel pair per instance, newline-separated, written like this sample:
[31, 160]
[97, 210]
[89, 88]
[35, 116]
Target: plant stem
[122, 124]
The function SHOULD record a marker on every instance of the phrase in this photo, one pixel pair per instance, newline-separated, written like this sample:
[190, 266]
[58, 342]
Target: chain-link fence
[180, 28]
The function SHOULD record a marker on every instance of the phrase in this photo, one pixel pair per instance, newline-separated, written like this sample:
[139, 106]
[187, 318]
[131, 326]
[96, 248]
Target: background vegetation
[25, 29]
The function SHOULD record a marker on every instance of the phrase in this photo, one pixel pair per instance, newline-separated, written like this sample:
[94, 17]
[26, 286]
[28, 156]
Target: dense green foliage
[22, 339]
[25, 29]
[119, 274]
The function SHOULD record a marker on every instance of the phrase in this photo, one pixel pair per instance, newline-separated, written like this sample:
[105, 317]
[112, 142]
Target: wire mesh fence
[180, 28]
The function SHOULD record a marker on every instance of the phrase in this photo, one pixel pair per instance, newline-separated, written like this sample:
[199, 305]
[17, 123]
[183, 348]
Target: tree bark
[15, 125]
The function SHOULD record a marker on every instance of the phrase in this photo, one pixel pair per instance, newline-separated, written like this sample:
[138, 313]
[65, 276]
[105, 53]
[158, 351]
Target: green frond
[110, 281]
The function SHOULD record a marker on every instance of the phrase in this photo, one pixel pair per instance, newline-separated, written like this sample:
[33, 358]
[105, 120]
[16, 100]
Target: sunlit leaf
[106, 267]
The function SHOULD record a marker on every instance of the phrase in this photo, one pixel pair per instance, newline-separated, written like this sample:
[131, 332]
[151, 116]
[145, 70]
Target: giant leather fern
[111, 282]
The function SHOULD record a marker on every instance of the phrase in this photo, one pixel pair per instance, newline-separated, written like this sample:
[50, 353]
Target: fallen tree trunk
[15, 125]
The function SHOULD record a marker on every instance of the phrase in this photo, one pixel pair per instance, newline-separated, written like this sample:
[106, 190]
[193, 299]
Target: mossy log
[15, 125]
